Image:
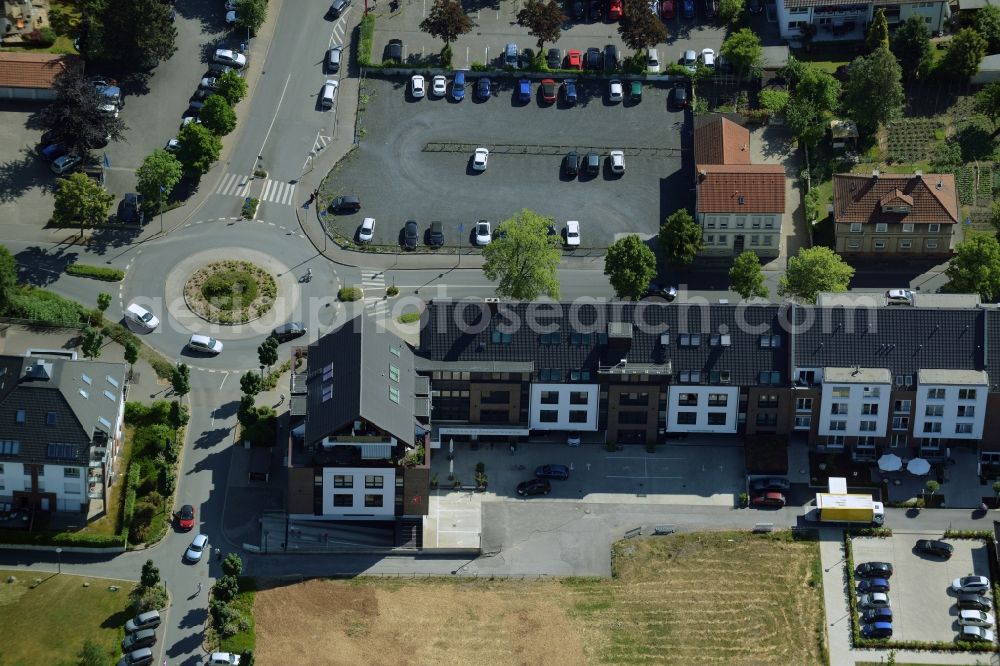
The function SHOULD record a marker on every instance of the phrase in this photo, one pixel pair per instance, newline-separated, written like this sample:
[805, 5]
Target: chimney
[919, 175]
[875, 174]
[702, 174]
[940, 184]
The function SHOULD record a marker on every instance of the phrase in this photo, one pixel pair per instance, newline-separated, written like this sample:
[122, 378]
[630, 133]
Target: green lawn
[244, 640]
[48, 624]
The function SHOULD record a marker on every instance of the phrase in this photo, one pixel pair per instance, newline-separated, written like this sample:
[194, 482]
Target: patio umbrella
[890, 462]
[918, 466]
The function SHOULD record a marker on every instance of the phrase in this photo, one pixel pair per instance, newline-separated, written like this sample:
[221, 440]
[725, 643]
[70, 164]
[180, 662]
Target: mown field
[710, 598]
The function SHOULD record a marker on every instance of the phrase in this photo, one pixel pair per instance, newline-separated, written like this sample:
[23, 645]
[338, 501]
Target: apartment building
[848, 20]
[62, 432]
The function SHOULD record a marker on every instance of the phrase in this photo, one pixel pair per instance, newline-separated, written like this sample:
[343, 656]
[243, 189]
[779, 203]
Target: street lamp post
[59, 553]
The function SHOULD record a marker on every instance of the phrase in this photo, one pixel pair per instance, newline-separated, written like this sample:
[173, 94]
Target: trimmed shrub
[96, 272]
[367, 31]
[409, 317]
[348, 294]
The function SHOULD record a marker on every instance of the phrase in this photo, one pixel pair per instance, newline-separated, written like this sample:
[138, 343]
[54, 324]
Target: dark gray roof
[992, 345]
[53, 407]
[571, 337]
[350, 377]
[902, 339]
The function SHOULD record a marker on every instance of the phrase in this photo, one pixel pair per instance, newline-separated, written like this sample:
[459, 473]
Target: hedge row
[96, 272]
[62, 539]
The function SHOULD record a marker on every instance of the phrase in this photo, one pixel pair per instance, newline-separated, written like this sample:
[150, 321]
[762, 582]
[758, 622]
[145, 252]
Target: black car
[593, 163]
[395, 50]
[130, 209]
[611, 57]
[569, 91]
[876, 615]
[571, 163]
[348, 203]
[435, 235]
[140, 639]
[534, 487]
[873, 570]
[578, 10]
[756, 6]
[555, 58]
[593, 59]
[338, 7]
[680, 96]
[596, 10]
[218, 69]
[289, 331]
[932, 547]
[773, 483]
[973, 601]
[661, 291]
[410, 235]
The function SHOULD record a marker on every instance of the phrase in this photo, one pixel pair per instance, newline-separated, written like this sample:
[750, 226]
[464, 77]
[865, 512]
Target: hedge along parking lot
[422, 149]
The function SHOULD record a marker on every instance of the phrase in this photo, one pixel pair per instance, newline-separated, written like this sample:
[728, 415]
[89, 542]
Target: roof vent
[743, 200]
[875, 174]
[940, 184]
[702, 174]
[856, 371]
[919, 175]
[744, 147]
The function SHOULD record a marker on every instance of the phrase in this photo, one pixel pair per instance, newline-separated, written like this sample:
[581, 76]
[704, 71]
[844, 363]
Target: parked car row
[549, 90]
[223, 60]
[873, 599]
[974, 603]
[540, 484]
[482, 233]
[140, 637]
[769, 492]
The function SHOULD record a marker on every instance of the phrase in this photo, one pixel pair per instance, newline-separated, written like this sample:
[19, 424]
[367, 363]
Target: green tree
[630, 266]
[746, 277]
[8, 279]
[75, 117]
[199, 148]
[251, 14]
[80, 200]
[180, 380]
[640, 28]
[988, 101]
[731, 12]
[964, 54]
[975, 268]
[680, 238]
[246, 414]
[878, 71]
[932, 486]
[103, 302]
[93, 340]
[743, 50]
[543, 20]
[232, 87]
[911, 44]
[814, 97]
[131, 353]
[92, 654]
[774, 100]
[157, 177]
[878, 32]
[814, 270]
[267, 352]
[129, 35]
[447, 21]
[524, 258]
[232, 565]
[217, 115]
[251, 383]
[988, 25]
[150, 574]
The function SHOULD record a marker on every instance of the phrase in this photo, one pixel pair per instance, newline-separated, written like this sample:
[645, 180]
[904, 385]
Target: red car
[667, 11]
[185, 517]
[773, 500]
[574, 59]
[548, 91]
[614, 10]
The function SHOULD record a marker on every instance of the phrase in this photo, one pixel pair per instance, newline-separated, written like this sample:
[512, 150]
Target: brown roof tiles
[721, 141]
[33, 70]
[931, 198]
[749, 188]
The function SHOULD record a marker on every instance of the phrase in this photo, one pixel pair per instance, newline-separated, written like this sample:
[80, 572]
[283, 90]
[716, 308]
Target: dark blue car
[569, 91]
[458, 87]
[524, 90]
[559, 472]
[688, 9]
[873, 585]
[483, 88]
[877, 630]
[876, 615]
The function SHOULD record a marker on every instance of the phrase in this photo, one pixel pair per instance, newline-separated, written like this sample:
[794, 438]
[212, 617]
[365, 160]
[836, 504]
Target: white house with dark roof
[848, 20]
[61, 421]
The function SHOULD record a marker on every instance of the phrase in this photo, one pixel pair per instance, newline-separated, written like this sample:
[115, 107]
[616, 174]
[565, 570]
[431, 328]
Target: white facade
[849, 22]
[702, 408]
[66, 482]
[361, 493]
[858, 409]
[564, 406]
[759, 232]
[950, 411]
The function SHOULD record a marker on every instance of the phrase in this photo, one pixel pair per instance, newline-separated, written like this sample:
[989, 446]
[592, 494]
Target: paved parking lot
[414, 162]
[922, 603]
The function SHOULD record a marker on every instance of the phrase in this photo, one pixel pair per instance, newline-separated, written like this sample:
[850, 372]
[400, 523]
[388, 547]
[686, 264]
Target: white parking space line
[627, 476]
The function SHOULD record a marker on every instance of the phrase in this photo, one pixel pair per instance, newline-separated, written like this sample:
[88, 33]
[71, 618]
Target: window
[723, 239]
[717, 418]
[764, 419]
[550, 398]
[855, 227]
[71, 488]
[687, 418]
[770, 341]
[930, 244]
[807, 376]
[934, 426]
[963, 428]
[373, 500]
[868, 426]
[688, 399]
[579, 375]
[905, 244]
[853, 244]
[9, 447]
[766, 240]
[881, 227]
[374, 480]
[710, 239]
[690, 340]
[900, 422]
[501, 338]
[549, 375]
[934, 410]
[632, 418]
[549, 338]
[709, 222]
[343, 499]
[841, 392]
[871, 392]
[71, 472]
[763, 400]
[394, 394]
[907, 228]
[869, 408]
[50, 418]
[879, 244]
[966, 394]
[19, 417]
[866, 443]
[393, 373]
[721, 400]
[839, 408]
[935, 394]
[755, 222]
[343, 481]
[838, 425]
[804, 405]
[901, 406]
[769, 378]
[899, 440]
[579, 339]
[579, 398]
[803, 422]
[755, 240]
[966, 411]
[933, 229]
[578, 416]
[835, 442]
[548, 416]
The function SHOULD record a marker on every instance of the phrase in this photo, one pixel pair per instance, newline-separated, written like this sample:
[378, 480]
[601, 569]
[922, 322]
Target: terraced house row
[847, 379]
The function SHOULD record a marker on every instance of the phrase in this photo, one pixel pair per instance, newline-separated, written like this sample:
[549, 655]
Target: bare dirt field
[711, 598]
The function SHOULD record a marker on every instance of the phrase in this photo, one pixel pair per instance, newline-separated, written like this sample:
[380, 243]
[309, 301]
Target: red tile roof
[721, 187]
[33, 70]
[721, 141]
[931, 198]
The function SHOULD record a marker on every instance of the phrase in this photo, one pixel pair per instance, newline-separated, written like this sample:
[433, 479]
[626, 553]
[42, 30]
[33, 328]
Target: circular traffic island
[230, 292]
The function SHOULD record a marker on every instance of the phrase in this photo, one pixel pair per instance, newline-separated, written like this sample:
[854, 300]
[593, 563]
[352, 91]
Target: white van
[653, 62]
[141, 317]
[327, 93]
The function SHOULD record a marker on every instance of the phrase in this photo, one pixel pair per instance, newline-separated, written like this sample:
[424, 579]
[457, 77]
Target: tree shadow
[40, 267]
[976, 143]
[210, 438]
[19, 175]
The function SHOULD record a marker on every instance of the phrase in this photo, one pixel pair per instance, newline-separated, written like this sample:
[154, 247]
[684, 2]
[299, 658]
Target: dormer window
[896, 202]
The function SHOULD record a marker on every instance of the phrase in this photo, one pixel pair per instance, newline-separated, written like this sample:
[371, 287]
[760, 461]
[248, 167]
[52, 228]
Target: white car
[483, 233]
[977, 634]
[873, 600]
[187, 120]
[173, 145]
[977, 584]
[708, 58]
[223, 659]
[439, 86]
[573, 233]
[231, 58]
[480, 159]
[417, 86]
[230, 5]
[204, 343]
[197, 547]
[975, 618]
[690, 60]
[899, 297]
[141, 317]
[617, 162]
[231, 17]
[615, 91]
[209, 83]
[367, 231]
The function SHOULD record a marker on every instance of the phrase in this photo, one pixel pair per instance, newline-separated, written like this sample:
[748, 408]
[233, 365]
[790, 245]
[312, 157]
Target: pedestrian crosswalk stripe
[278, 192]
[234, 184]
